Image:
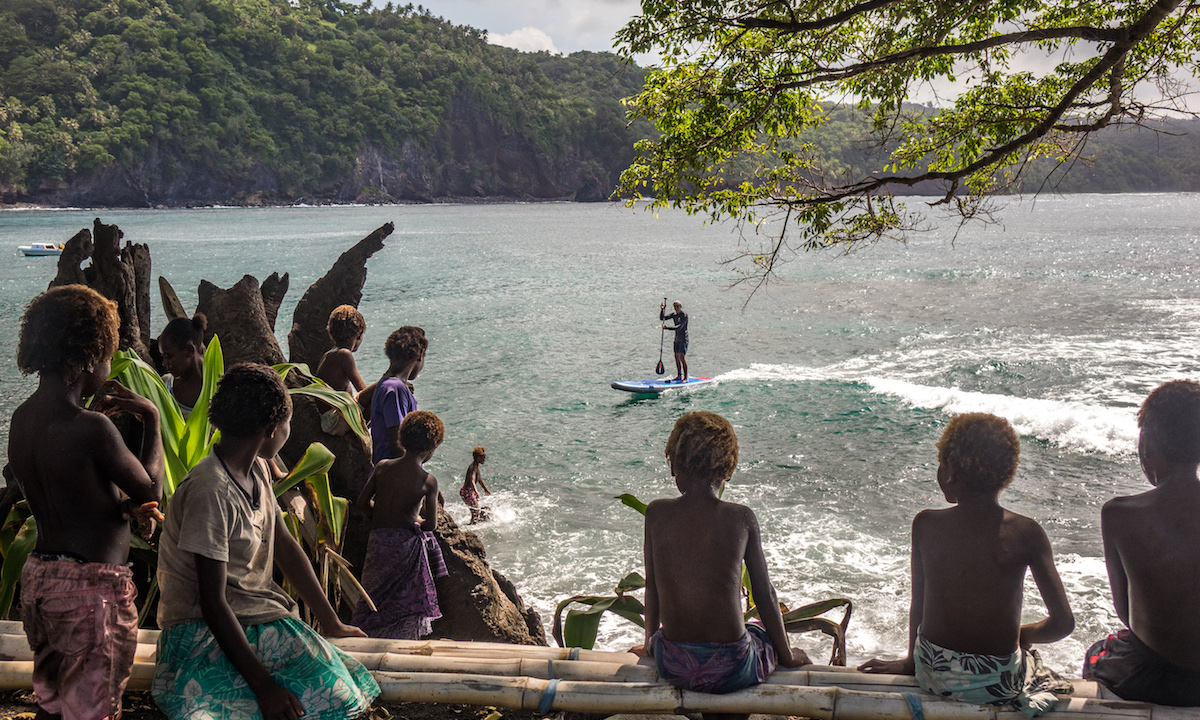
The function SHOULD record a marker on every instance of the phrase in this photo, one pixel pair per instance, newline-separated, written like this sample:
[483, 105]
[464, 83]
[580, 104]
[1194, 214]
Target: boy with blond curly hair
[695, 546]
[965, 637]
[346, 328]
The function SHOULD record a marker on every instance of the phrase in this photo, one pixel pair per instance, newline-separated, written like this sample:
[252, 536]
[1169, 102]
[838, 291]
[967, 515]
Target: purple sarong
[398, 575]
[715, 667]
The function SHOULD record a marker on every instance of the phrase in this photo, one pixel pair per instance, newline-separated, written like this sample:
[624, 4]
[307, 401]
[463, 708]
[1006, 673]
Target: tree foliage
[280, 93]
[750, 81]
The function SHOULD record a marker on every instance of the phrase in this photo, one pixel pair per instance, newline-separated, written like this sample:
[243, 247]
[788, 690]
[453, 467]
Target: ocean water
[838, 379]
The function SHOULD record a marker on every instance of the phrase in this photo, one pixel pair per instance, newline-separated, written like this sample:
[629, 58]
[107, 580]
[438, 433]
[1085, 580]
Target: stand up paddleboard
[656, 386]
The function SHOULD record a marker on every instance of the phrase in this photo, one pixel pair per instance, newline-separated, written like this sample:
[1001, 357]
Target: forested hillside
[176, 102]
[136, 102]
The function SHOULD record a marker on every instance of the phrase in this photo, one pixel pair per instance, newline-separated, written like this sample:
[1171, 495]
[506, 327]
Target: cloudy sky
[560, 26]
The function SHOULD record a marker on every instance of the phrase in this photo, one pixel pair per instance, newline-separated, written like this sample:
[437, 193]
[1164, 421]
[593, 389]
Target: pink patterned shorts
[81, 623]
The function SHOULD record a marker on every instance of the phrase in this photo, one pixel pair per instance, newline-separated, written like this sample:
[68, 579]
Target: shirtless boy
[1152, 549]
[968, 574]
[82, 484]
[346, 327]
[695, 546]
[469, 492]
[403, 556]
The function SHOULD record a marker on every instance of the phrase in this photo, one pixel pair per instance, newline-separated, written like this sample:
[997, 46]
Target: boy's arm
[291, 560]
[479, 479]
[352, 373]
[429, 518]
[766, 601]
[916, 610]
[394, 446]
[140, 477]
[276, 702]
[364, 498]
[652, 622]
[1060, 621]
[1118, 581]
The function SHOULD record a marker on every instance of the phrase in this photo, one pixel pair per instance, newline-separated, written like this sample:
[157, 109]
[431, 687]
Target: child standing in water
[232, 644]
[469, 493]
[403, 556]
[1152, 549]
[392, 397]
[965, 637]
[346, 327]
[182, 347]
[77, 594]
[695, 547]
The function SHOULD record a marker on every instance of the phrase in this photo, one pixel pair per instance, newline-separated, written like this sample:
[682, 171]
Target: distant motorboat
[41, 249]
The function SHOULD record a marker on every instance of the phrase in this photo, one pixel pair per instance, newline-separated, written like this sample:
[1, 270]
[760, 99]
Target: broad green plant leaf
[341, 401]
[631, 501]
[14, 563]
[198, 433]
[317, 459]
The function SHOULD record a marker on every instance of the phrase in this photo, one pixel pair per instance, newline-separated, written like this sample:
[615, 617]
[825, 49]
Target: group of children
[232, 644]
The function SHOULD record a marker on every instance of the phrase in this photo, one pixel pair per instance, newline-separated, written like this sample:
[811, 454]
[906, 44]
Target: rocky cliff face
[470, 157]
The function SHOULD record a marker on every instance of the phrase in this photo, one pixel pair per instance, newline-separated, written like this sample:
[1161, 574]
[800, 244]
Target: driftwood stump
[273, 290]
[238, 317]
[342, 285]
[119, 274]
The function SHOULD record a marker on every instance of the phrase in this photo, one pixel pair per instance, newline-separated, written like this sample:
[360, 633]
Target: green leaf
[317, 459]
[581, 626]
[631, 501]
[632, 581]
[343, 402]
[14, 563]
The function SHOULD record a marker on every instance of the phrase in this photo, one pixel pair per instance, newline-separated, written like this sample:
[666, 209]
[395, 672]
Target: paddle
[662, 336]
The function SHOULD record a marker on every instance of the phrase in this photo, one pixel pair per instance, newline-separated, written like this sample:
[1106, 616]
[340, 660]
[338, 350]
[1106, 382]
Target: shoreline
[300, 203]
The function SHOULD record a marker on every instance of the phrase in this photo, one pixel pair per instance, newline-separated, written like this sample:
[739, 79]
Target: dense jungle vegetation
[217, 100]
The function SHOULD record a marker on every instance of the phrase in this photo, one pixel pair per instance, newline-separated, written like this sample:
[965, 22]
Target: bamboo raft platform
[548, 679]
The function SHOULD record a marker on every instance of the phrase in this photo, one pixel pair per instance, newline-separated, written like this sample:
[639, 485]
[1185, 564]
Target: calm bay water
[838, 380]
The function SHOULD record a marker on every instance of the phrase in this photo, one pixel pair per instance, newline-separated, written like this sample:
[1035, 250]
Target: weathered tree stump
[273, 290]
[119, 274]
[238, 317]
[342, 285]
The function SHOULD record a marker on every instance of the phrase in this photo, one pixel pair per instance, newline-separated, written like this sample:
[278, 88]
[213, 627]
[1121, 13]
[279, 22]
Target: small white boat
[37, 249]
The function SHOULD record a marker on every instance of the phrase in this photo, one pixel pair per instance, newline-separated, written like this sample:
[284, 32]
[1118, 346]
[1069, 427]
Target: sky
[559, 26]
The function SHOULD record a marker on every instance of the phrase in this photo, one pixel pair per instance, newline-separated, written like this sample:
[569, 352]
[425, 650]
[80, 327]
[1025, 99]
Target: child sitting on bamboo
[403, 556]
[965, 637]
[232, 643]
[79, 478]
[1152, 549]
[695, 546]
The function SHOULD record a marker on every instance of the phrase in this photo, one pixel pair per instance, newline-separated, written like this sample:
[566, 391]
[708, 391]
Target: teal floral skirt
[195, 681]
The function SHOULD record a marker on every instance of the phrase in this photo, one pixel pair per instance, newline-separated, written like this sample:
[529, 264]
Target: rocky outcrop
[121, 274]
[342, 285]
[477, 602]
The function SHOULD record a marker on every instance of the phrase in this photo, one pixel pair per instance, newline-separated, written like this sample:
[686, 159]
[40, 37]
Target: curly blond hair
[66, 329]
[981, 450]
[345, 324]
[703, 444]
[1170, 415]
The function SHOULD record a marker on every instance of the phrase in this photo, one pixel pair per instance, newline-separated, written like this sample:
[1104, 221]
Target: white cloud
[526, 39]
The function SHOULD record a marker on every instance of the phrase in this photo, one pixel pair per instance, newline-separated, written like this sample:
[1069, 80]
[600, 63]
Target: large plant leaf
[198, 433]
[14, 562]
[631, 501]
[629, 583]
[317, 459]
[341, 401]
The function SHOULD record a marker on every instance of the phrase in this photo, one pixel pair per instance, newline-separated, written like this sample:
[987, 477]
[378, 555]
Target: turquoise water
[838, 379]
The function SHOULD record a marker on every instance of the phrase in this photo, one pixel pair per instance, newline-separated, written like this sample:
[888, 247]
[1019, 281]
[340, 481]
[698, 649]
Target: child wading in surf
[965, 637]
[694, 549]
[469, 493]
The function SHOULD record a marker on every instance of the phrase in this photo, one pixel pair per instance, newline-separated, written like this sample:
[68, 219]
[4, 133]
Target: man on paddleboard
[681, 338]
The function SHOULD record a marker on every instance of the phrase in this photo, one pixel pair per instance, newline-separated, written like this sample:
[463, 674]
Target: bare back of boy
[72, 467]
[969, 563]
[401, 488]
[695, 547]
[1152, 547]
[339, 371]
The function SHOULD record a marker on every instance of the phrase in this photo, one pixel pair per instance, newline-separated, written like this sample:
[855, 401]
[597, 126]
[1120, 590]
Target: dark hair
[703, 444]
[1170, 416]
[65, 329]
[406, 343]
[250, 399]
[980, 450]
[345, 324]
[421, 431]
[478, 452]
[181, 331]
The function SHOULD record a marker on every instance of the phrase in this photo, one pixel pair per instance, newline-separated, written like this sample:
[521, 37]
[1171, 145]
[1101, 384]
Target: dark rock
[273, 290]
[70, 263]
[342, 285]
[238, 317]
[478, 603]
